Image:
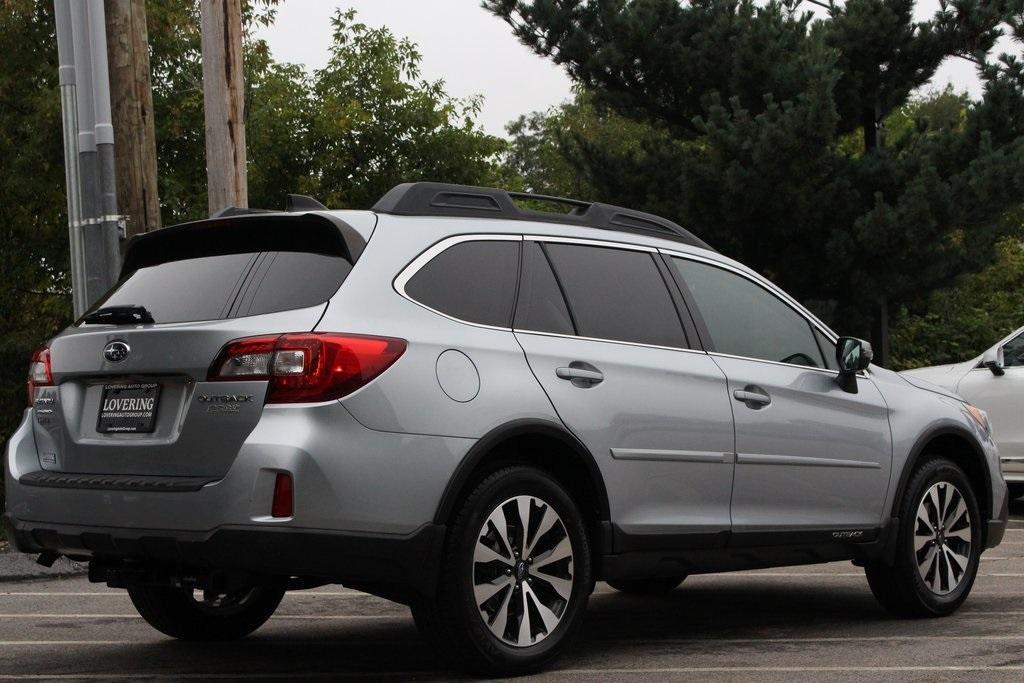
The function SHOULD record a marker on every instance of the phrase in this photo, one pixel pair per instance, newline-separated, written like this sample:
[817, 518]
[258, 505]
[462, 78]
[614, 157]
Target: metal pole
[69, 117]
[99, 267]
[109, 218]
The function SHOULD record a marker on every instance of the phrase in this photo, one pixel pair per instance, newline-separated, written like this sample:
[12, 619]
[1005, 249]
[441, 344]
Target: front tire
[515, 577]
[206, 616]
[938, 547]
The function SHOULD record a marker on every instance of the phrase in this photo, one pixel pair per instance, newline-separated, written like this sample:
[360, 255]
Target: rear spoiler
[317, 233]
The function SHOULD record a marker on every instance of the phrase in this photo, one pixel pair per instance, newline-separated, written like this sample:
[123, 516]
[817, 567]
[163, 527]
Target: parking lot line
[297, 617]
[306, 642]
[783, 669]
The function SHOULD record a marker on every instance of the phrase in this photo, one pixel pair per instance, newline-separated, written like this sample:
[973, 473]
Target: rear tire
[938, 546]
[652, 586]
[491, 571]
[227, 616]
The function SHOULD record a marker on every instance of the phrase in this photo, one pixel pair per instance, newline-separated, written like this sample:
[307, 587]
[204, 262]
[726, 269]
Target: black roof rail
[442, 199]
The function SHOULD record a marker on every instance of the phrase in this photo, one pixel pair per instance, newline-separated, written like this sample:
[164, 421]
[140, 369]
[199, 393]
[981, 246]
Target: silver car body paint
[676, 453]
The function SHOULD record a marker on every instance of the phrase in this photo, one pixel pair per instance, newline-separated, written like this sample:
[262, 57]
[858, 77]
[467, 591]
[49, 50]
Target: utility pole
[223, 90]
[69, 120]
[89, 136]
[132, 107]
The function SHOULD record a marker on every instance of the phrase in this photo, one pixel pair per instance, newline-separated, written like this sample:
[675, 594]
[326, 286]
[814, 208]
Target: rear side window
[230, 285]
[473, 281]
[541, 306]
[744, 319]
[617, 294]
[286, 280]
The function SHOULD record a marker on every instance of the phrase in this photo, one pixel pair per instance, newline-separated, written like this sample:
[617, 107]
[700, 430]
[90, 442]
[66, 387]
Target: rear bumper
[384, 563]
[347, 479]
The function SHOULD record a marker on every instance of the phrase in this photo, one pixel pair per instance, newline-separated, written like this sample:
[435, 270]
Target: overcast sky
[472, 50]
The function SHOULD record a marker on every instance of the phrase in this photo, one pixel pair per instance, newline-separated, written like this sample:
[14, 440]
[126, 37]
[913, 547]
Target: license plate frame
[128, 417]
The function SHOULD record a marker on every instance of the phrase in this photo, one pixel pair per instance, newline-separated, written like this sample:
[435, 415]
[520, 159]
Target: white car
[994, 382]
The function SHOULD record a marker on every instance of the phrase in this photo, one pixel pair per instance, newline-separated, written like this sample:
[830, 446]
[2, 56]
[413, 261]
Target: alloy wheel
[522, 571]
[942, 538]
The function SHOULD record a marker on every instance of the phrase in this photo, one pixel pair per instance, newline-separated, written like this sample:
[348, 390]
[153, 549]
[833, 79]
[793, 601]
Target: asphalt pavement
[792, 624]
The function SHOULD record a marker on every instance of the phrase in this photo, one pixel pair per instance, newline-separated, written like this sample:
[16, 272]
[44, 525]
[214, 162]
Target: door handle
[752, 396]
[580, 376]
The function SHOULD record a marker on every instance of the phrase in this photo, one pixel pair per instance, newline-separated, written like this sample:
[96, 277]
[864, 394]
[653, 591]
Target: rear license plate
[128, 408]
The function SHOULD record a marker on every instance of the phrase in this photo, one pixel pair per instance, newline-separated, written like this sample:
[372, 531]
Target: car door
[617, 366]
[1002, 397]
[809, 455]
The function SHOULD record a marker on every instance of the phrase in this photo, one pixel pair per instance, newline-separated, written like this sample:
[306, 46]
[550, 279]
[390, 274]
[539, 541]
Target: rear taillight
[307, 367]
[39, 373]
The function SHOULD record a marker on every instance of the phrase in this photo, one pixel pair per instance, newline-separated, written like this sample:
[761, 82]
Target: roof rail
[442, 199]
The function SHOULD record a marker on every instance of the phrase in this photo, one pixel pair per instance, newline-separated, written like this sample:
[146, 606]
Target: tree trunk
[880, 319]
[223, 90]
[880, 343]
[132, 103]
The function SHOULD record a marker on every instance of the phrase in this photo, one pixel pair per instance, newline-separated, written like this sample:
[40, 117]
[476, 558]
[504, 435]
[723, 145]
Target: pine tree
[776, 155]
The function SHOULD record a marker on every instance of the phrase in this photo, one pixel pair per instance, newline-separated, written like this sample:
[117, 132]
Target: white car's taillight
[39, 372]
[307, 367]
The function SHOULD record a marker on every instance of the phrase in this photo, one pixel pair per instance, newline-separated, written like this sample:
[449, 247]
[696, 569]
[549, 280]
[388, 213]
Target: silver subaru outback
[477, 409]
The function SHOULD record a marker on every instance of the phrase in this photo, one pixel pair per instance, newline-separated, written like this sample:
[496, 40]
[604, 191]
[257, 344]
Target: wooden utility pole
[223, 90]
[131, 98]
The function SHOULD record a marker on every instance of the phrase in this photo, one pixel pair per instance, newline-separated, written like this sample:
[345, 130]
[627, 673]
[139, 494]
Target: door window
[828, 350]
[473, 281]
[1013, 352]
[616, 294]
[541, 306]
[744, 319]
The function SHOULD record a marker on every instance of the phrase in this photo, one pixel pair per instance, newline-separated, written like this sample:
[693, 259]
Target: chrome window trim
[516, 330]
[590, 243]
[769, 287]
[414, 266]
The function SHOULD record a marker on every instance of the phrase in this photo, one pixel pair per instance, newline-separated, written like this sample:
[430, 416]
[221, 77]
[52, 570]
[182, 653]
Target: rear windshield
[230, 285]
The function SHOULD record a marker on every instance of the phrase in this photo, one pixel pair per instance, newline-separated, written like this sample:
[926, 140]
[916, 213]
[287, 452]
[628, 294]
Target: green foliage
[34, 295]
[962, 321]
[771, 154]
[375, 122]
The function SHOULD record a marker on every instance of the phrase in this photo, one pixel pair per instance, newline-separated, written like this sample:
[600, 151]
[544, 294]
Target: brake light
[39, 372]
[307, 367]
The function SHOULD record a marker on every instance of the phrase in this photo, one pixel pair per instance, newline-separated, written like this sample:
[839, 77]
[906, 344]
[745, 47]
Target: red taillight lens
[307, 367]
[284, 496]
[39, 372]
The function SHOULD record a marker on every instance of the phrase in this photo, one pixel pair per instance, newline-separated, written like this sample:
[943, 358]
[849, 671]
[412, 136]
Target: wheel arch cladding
[545, 445]
[958, 445]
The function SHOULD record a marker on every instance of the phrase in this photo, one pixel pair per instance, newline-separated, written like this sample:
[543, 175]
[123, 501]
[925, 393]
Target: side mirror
[852, 356]
[993, 360]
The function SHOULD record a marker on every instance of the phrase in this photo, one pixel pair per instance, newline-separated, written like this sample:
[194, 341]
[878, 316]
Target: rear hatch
[131, 397]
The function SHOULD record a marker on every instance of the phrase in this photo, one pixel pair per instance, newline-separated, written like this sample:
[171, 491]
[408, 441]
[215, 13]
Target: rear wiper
[119, 315]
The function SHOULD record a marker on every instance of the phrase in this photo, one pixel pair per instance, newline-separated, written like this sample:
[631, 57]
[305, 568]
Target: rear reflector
[39, 372]
[307, 367]
[284, 496]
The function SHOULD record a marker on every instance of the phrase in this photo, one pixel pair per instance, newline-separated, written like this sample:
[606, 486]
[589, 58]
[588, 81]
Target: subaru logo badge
[116, 351]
